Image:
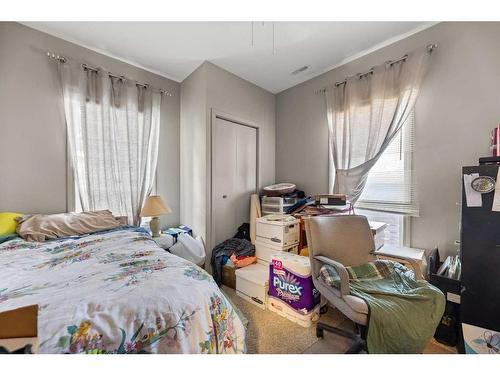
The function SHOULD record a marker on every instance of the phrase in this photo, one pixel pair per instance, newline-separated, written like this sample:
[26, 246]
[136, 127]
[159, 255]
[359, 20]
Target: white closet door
[234, 176]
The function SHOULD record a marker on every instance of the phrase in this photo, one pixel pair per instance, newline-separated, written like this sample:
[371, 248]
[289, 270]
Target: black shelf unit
[449, 330]
[480, 256]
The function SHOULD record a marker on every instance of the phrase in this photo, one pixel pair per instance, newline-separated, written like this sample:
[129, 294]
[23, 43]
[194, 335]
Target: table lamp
[154, 207]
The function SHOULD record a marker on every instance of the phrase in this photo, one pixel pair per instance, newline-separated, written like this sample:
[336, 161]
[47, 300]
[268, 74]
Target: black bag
[243, 232]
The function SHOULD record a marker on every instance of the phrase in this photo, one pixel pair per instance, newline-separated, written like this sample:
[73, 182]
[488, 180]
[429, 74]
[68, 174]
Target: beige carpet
[269, 333]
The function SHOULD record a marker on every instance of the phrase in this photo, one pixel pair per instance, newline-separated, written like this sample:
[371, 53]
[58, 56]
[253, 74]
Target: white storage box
[276, 205]
[252, 284]
[264, 251]
[277, 230]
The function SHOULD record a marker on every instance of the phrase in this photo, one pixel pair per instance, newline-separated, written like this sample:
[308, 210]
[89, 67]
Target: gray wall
[212, 88]
[244, 100]
[32, 125]
[458, 106]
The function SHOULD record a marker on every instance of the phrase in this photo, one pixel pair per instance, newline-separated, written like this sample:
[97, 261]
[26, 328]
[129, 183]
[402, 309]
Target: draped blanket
[404, 313]
[117, 292]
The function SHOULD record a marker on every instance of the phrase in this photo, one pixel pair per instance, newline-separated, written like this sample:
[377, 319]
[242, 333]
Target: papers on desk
[472, 197]
[496, 197]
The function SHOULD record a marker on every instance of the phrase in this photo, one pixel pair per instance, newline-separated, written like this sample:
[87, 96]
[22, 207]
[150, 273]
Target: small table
[417, 254]
[377, 228]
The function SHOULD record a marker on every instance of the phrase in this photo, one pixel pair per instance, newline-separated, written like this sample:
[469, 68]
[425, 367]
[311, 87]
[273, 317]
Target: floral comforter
[117, 292]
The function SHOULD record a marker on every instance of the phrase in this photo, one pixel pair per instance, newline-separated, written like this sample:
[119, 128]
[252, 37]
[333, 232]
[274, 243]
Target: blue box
[174, 232]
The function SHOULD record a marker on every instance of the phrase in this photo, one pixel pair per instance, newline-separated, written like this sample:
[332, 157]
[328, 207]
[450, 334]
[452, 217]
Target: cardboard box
[284, 233]
[252, 284]
[264, 251]
[229, 275]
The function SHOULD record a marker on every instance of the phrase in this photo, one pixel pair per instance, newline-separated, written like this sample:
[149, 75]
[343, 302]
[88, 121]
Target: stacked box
[252, 284]
[265, 252]
[276, 205]
[280, 233]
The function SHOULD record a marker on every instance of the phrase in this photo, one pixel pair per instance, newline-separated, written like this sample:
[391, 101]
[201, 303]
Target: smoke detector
[300, 70]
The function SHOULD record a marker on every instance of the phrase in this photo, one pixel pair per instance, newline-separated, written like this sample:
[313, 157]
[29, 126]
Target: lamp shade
[154, 206]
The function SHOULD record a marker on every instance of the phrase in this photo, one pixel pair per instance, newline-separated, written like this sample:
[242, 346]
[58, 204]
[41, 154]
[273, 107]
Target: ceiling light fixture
[252, 38]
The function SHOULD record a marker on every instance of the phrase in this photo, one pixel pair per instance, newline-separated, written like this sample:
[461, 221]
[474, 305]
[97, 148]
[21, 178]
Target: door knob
[224, 196]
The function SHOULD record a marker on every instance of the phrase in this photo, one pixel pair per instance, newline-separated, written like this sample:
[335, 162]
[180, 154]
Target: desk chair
[341, 241]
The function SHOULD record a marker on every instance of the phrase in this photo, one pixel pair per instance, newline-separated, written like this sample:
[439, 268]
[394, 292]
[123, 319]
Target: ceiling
[264, 53]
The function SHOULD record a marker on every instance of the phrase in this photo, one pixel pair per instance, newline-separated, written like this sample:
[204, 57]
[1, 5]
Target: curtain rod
[430, 48]
[64, 60]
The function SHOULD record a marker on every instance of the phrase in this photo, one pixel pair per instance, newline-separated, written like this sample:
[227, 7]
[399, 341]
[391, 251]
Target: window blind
[390, 185]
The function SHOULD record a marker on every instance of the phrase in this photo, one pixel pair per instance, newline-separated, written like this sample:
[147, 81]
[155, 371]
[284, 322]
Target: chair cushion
[353, 307]
[357, 304]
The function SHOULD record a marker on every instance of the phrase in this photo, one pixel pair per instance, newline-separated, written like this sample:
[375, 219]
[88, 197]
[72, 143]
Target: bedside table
[18, 328]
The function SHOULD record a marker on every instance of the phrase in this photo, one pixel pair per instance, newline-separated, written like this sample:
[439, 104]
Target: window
[390, 194]
[112, 139]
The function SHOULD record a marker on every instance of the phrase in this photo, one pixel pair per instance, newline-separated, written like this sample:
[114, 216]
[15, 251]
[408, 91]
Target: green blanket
[404, 313]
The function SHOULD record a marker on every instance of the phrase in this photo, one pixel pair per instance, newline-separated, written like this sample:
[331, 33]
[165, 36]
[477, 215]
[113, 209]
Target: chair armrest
[341, 270]
[413, 263]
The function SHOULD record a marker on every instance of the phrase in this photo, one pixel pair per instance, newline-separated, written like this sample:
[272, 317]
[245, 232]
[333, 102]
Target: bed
[117, 292]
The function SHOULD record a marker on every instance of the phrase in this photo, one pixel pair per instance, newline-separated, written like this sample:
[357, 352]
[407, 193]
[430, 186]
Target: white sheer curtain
[113, 133]
[365, 114]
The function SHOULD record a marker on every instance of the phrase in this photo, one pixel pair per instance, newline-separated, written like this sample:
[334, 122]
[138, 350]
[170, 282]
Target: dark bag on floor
[243, 232]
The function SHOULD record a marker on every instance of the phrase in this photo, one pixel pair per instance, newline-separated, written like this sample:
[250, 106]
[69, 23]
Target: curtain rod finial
[431, 47]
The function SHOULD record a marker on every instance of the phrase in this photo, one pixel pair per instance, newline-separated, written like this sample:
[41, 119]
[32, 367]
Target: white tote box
[264, 251]
[277, 230]
[252, 284]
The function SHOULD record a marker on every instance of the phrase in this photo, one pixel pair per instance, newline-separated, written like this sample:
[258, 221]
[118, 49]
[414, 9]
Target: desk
[377, 228]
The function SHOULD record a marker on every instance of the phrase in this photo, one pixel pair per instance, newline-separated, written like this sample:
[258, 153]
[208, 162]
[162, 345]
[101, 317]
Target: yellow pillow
[7, 223]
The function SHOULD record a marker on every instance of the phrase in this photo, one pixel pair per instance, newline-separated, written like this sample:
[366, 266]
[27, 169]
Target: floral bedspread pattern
[117, 292]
